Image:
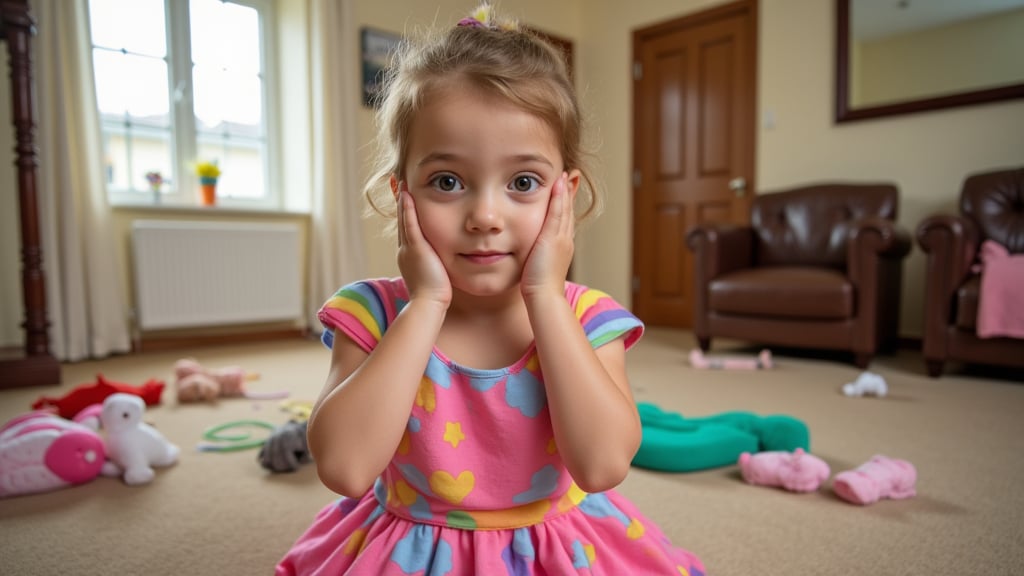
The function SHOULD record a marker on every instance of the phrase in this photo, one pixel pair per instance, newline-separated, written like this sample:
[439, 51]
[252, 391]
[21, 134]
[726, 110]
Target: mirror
[904, 56]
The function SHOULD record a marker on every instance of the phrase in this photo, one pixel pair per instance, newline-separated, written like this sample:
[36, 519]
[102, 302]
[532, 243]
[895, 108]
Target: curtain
[84, 291]
[337, 250]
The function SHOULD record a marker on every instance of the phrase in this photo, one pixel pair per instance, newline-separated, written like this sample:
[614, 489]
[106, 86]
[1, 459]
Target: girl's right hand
[424, 273]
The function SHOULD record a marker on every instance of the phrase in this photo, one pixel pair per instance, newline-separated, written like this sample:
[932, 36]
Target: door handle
[739, 186]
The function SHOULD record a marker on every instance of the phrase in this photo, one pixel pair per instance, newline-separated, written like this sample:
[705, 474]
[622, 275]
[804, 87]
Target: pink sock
[878, 478]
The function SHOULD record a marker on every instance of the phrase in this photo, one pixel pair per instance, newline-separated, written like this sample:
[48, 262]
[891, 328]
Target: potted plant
[208, 173]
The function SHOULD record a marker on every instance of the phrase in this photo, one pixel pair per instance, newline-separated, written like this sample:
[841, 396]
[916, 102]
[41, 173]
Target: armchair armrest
[951, 243]
[872, 239]
[717, 249]
[720, 248]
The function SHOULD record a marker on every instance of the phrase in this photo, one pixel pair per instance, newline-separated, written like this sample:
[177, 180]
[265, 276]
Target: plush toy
[195, 383]
[69, 405]
[867, 384]
[795, 471]
[671, 442]
[763, 361]
[878, 478]
[286, 449]
[40, 451]
[133, 447]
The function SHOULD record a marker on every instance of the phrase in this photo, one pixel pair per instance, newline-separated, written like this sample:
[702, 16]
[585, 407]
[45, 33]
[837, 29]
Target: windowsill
[220, 210]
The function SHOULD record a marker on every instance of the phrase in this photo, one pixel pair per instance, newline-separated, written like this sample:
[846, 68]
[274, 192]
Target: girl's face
[481, 171]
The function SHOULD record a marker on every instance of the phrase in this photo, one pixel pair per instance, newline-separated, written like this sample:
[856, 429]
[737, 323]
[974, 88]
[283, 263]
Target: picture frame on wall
[377, 47]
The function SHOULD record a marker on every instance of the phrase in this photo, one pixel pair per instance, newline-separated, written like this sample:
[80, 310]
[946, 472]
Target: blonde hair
[500, 58]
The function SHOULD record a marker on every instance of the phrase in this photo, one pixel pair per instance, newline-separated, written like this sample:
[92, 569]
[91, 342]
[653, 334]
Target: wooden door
[693, 133]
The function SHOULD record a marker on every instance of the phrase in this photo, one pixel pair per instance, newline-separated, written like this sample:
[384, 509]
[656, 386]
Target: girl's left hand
[548, 263]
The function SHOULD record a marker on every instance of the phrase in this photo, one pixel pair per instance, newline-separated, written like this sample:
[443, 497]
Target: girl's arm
[361, 414]
[596, 424]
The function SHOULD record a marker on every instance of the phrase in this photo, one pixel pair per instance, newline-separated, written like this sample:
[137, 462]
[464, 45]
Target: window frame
[183, 191]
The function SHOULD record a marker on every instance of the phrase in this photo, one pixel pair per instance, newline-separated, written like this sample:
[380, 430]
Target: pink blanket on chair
[1001, 302]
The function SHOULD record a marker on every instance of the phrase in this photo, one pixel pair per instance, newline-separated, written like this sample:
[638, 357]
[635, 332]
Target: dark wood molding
[193, 341]
[35, 365]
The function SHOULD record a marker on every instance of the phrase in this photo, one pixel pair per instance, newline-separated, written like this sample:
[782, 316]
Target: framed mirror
[904, 56]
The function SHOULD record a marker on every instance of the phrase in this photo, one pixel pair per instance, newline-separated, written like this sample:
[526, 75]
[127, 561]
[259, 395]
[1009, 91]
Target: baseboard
[165, 343]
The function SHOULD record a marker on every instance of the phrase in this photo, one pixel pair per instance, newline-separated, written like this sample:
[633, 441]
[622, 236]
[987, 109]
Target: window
[180, 82]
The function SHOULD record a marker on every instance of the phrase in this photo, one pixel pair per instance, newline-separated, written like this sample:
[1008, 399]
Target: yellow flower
[207, 170]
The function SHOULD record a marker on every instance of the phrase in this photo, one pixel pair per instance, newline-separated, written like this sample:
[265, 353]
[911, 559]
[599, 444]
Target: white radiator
[193, 274]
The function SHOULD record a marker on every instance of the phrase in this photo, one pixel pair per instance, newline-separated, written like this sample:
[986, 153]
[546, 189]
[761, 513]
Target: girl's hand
[548, 264]
[424, 274]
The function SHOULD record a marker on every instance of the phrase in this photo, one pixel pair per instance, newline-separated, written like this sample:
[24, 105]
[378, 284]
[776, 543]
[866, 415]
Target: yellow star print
[453, 433]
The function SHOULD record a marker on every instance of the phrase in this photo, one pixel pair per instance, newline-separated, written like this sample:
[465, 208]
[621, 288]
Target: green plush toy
[672, 443]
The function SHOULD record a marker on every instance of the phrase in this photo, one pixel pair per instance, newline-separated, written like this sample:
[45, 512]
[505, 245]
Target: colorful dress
[476, 485]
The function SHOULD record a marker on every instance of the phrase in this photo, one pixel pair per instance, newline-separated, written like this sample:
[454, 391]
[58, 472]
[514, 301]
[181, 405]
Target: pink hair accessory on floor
[763, 361]
[878, 478]
[795, 471]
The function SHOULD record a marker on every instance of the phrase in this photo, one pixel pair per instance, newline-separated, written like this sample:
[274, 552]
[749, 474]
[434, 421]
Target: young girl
[477, 413]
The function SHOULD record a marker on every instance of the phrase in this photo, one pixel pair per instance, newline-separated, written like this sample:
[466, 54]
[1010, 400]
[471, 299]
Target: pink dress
[476, 485]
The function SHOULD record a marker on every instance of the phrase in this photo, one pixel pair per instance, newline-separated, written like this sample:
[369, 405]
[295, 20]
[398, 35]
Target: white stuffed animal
[867, 384]
[133, 447]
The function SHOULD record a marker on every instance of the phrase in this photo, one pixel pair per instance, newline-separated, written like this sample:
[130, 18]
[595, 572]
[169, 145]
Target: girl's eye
[446, 183]
[524, 183]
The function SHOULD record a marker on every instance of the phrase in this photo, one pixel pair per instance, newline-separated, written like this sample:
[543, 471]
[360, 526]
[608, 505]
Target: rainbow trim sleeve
[363, 311]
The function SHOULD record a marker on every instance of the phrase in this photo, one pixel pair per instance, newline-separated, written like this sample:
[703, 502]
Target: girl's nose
[484, 212]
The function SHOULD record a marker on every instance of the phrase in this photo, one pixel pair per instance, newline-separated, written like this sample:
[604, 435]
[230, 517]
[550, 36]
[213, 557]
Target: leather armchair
[818, 266]
[991, 207]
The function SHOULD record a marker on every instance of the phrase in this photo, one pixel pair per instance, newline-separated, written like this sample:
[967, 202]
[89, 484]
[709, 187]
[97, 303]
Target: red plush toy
[85, 395]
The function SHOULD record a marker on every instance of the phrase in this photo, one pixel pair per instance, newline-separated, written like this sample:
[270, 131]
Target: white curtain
[86, 306]
[337, 250]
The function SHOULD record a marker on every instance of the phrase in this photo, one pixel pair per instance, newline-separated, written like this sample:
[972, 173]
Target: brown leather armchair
[991, 207]
[819, 266]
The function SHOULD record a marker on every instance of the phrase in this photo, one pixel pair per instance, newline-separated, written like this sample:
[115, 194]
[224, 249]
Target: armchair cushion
[772, 291]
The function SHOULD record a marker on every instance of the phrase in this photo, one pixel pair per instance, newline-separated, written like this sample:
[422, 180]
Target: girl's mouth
[484, 258]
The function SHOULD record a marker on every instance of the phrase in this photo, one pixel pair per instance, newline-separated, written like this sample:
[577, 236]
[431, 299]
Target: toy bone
[698, 359]
[878, 478]
[795, 471]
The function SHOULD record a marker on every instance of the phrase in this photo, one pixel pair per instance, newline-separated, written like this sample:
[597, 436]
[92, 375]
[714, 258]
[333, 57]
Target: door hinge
[638, 70]
[636, 179]
[636, 284]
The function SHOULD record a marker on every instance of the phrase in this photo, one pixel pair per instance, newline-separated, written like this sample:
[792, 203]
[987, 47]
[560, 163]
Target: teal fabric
[674, 443]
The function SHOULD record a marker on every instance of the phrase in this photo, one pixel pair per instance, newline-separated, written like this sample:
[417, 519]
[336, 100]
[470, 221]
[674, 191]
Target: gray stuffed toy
[286, 449]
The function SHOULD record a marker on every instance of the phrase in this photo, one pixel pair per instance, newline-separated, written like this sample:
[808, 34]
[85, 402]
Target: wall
[926, 154]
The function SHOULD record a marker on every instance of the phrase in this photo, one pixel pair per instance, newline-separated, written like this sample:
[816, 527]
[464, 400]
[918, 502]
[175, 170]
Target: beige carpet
[222, 514]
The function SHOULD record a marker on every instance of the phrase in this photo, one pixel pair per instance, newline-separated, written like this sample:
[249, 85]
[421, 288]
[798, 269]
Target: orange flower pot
[209, 194]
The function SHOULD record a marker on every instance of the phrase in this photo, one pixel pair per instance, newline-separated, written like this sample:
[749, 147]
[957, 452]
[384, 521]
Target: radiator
[196, 274]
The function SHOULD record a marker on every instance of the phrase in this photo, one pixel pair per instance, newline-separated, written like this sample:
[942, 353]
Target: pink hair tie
[471, 22]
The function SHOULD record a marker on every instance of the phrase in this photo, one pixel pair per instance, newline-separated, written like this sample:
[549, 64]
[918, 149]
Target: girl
[477, 413]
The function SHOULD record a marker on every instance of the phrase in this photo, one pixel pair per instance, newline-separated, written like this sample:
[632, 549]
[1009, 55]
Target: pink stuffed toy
[40, 451]
[763, 361]
[195, 383]
[795, 471]
[880, 477]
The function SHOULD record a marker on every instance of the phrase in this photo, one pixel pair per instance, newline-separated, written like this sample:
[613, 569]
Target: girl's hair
[500, 58]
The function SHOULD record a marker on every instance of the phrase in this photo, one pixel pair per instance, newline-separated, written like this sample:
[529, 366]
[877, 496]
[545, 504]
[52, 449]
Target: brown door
[693, 132]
